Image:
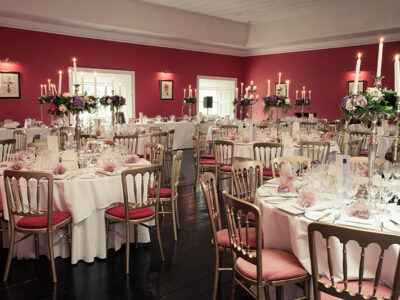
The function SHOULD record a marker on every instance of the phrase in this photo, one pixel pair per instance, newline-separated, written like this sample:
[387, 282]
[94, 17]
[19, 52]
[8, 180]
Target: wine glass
[387, 170]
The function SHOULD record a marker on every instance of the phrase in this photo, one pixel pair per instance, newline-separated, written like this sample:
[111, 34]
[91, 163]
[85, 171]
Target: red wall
[41, 55]
[325, 72]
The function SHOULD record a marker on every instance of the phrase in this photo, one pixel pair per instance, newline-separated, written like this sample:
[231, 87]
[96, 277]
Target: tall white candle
[59, 81]
[297, 94]
[194, 93]
[241, 89]
[251, 82]
[279, 78]
[396, 75]
[49, 83]
[95, 84]
[303, 93]
[236, 93]
[190, 91]
[309, 95]
[358, 65]
[112, 84]
[41, 90]
[380, 51]
[287, 88]
[269, 88]
[105, 90]
[53, 89]
[119, 88]
[82, 83]
[45, 89]
[247, 92]
[184, 93]
[75, 71]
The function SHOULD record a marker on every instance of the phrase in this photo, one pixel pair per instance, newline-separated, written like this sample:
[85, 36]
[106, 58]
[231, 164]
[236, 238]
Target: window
[104, 78]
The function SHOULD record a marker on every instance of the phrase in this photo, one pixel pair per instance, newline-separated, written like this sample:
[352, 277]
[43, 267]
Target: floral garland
[113, 101]
[189, 101]
[277, 101]
[60, 105]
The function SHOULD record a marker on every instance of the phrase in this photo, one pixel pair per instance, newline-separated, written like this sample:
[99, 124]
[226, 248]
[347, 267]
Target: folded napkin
[286, 182]
[17, 165]
[59, 170]
[246, 140]
[17, 157]
[11, 125]
[359, 210]
[132, 159]
[306, 199]
[109, 167]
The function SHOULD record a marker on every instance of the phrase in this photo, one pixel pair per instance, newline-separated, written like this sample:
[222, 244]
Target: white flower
[109, 101]
[349, 105]
[62, 108]
[287, 101]
[263, 103]
[375, 99]
[66, 95]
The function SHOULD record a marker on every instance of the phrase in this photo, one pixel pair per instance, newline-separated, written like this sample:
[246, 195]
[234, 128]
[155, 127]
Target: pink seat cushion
[164, 192]
[141, 155]
[223, 238]
[209, 141]
[168, 152]
[140, 213]
[41, 222]
[207, 162]
[268, 172]
[367, 288]
[390, 153]
[225, 168]
[207, 156]
[364, 153]
[276, 265]
[252, 217]
[1, 207]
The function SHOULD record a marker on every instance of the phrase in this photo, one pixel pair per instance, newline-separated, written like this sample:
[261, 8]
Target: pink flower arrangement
[359, 210]
[132, 159]
[361, 101]
[306, 199]
[109, 167]
[59, 170]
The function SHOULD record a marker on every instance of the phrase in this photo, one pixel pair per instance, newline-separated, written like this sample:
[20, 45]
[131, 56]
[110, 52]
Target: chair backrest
[203, 126]
[364, 237]
[209, 187]
[363, 160]
[230, 128]
[85, 138]
[223, 151]
[318, 152]
[195, 148]
[24, 201]
[237, 214]
[218, 134]
[141, 188]
[160, 138]
[7, 147]
[36, 138]
[154, 129]
[361, 135]
[130, 142]
[355, 147]
[306, 125]
[20, 139]
[170, 141]
[247, 178]
[298, 163]
[175, 172]
[265, 152]
[154, 153]
[202, 141]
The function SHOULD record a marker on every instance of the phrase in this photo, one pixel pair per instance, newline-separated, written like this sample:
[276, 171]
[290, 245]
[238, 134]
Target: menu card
[70, 160]
[52, 143]
[342, 169]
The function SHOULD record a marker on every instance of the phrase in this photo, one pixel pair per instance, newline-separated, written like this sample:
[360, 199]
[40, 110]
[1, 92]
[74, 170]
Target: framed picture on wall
[166, 89]
[360, 89]
[10, 85]
[280, 89]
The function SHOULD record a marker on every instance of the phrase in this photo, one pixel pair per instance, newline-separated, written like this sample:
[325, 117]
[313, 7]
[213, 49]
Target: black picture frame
[10, 85]
[362, 84]
[166, 89]
[283, 86]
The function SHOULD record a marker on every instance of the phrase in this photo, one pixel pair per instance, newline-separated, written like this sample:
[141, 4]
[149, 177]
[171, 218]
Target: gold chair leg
[36, 245]
[279, 292]
[216, 274]
[196, 179]
[174, 217]
[136, 226]
[233, 281]
[51, 253]
[127, 248]
[266, 293]
[159, 237]
[177, 213]
[10, 254]
[69, 232]
[307, 288]
[107, 232]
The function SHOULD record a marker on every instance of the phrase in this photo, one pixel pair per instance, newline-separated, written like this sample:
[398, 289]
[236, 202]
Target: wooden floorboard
[187, 272]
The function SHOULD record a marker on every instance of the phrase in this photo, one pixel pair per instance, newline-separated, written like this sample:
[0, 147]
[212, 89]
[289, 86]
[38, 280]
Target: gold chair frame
[7, 147]
[304, 162]
[21, 139]
[154, 153]
[224, 153]
[128, 141]
[247, 178]
[199, 168]
[318, 152]
[261, 154]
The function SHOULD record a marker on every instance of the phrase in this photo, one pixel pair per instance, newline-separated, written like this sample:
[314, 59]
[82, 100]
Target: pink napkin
[232, 137]
[59, 170]
[17, 157]
[143, 131]
[285, 182]
[359, 210]
[246, 140]
[306, 199]
[273, 140]
[17, 165]
[109, 167]
[132, 159]
[98, 132]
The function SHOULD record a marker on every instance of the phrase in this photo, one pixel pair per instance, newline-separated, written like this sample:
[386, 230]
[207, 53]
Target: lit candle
[287, 88]
[194, 93]
[309, 95]
[257, 97]
[112, 85]
[251, 96]
[297, 94]
[45, 89]
[396, 75]
[251, 82]
[190, 91]
[241, 89]
[83, 83]
[358, 65]
[95, 84]
[49, 83]
[53, 89]
[184, 93]
[75, 72]
[41, 90]
[105, 90]
[303, 93]
[59, 81]
[254, 88]
[269, 88]
[379, 66]
[247, 92]
[236, 93]
[119, 88]
[279, 78]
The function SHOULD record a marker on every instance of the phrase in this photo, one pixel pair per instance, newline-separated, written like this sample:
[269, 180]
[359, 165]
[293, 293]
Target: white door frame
[211, 77]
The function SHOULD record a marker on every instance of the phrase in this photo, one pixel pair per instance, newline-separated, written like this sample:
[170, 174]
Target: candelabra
[77, 123]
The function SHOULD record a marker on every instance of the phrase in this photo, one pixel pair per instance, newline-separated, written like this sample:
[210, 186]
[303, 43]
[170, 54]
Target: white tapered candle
[380, 51]
[59, 81]
[358, 66]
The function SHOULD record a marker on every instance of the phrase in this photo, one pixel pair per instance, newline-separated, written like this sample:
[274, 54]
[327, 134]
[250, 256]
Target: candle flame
[280, 73]
[396, 57]
[359, 55]
[381, 39]
[287, 81]
[74, 59]
[60, 72]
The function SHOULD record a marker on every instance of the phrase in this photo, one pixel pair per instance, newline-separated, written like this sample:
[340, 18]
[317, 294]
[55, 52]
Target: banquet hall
[169, 149]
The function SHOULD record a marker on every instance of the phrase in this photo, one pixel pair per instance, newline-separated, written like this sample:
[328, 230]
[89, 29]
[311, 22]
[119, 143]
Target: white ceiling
[235, 27]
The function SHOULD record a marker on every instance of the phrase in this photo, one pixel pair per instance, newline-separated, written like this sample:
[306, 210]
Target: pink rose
[361, 101]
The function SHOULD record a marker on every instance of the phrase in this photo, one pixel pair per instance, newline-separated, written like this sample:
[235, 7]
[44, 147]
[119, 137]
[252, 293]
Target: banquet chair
[141, 190]
[155, 129]
[223, 151]
[203, 126]
[363, 160]
[355, 147]
[171, 194]
[218, 134]
[36, 138]
[130, 142]
[204, 143]
[7, 147]
[201, 163]
[307, 126]
[2, 220]
[31, 213]
[351, 288]
[302, 162]
[160, 138]
[20, 139]
[265, 152]
[263, 267]
[318, 152]
[230, 128]
[247, 178]
[364, 136]
[220, 236]
[85, 138]
[154, 153]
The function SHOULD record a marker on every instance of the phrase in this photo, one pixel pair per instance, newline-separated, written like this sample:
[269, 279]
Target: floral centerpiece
[277, 101]
[299, 102]
[115, 101]
[189, 101]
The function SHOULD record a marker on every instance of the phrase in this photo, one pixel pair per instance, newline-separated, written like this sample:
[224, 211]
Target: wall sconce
[166, 71]
[7, 60]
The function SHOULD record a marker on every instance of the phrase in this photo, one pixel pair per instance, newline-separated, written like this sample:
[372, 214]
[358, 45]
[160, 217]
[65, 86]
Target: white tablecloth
[384, 145]
[86, 200]
[31, 132]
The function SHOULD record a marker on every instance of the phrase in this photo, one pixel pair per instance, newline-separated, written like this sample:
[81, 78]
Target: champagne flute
[396, 170]
[387, 169]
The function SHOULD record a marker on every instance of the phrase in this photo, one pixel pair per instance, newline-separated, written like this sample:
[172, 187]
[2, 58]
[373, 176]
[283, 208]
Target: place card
[70, 160]
[52, 143]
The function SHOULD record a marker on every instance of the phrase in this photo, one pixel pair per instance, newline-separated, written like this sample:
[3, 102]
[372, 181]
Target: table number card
[70, 160]
[52, 143]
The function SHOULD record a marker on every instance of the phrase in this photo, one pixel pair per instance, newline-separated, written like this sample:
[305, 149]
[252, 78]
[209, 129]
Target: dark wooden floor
[187, 272]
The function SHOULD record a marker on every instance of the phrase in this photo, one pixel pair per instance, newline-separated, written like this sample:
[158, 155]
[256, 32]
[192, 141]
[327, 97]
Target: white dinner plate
[62, 176]
[316, 215]
[115, 173]
[389, 225]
